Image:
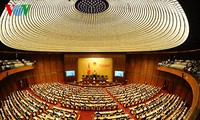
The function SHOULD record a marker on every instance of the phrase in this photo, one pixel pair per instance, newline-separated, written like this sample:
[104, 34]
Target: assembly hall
[99, 60]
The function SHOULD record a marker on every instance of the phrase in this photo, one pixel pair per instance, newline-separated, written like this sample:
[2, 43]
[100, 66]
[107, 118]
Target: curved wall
[142, 68]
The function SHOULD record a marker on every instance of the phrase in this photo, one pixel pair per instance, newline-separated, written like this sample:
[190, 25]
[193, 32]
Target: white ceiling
[126, 26]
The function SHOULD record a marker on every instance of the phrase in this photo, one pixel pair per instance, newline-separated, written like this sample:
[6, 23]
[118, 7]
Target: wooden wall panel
[48, 77]
[136, 78]
[60, 76]
[54, 77]
[40, 64]
[183, 93]
[149, 76]
[31, 80]
[46, 62]
[49, 68]
[189, 96]
[53, 66]
[170, 87]
[138, 64]
[42, 78]
[159, 83]
[142, 68]
[144, 64]
[3, 91]
[129, 78]
[178, 88]
[142, 78]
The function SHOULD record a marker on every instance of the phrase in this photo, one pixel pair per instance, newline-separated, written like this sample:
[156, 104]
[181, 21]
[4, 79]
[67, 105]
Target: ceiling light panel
[75, 26]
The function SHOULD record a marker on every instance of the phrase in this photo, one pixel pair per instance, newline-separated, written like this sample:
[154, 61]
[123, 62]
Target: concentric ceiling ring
[125, 25]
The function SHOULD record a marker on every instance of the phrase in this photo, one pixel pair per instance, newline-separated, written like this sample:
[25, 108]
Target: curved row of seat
[75, 97]
[22, 105]
[133, 94]
[57, 114]
[54, 92]
[90, 99]
[111, 115]
[164, 106]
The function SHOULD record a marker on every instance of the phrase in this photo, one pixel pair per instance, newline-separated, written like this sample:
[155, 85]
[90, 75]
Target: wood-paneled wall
[48, 68]
[71, 63]
[141, 68]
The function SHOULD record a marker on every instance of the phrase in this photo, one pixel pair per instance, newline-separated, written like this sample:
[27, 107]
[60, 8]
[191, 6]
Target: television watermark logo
[17, 9]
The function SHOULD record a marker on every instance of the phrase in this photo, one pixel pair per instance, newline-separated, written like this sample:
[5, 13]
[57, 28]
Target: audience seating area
[54, 92]
[190, 66]
[111, 115]
[57, 114]
[90, 99]
[133, 94]
[74, 97]
[23, 105]
[164, 106]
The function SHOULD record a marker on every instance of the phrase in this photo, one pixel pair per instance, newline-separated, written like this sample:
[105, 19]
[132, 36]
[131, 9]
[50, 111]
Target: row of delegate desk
[132, 94]
[21, 105]
[74, 97]
[163, 106]
[92, 80]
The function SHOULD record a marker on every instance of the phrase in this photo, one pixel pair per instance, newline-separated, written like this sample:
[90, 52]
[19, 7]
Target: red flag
[88, 69]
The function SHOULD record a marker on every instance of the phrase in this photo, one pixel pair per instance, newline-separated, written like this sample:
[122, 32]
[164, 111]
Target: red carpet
[86, 115]
[126, 110]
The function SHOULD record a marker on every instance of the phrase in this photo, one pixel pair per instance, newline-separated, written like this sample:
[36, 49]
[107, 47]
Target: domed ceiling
[93, 25]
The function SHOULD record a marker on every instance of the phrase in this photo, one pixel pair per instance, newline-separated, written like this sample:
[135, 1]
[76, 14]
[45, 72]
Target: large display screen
[119, 73]
[70, 73]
